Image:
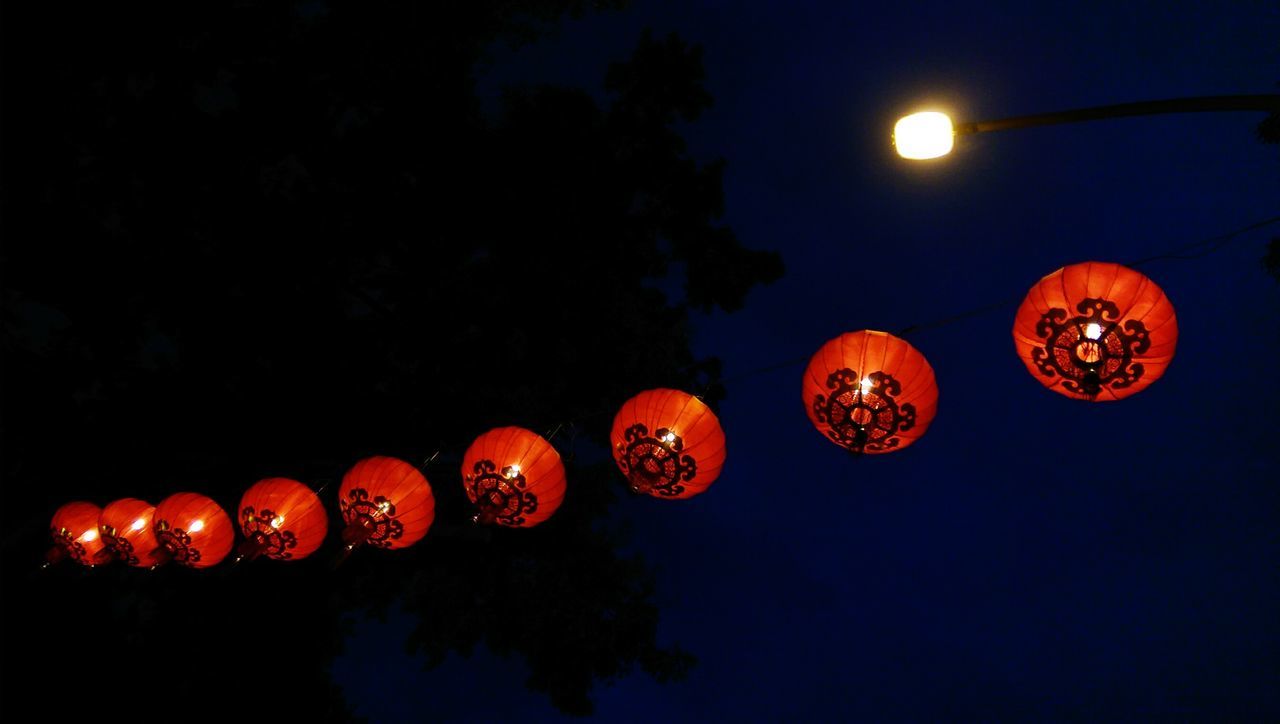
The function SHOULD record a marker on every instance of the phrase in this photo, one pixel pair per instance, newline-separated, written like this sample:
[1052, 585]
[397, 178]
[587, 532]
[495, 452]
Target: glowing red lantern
[126, 528]
[513, 476]
[386, 503]
[870, 392]
[193, 530]
[1096, 331]
[281, 519]
[74, 529]
[668, 443]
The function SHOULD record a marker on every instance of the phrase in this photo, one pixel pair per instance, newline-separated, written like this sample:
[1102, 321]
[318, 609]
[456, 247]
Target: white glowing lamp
[924, 135]
[196, 526]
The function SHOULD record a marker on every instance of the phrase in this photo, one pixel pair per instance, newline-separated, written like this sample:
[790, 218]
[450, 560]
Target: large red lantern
[1096, 331]
[74, 529]
[513, 476]
[668, 443]
[126, 528]
[386, 503]
[193, 530]
[870, 392]
[281, 519]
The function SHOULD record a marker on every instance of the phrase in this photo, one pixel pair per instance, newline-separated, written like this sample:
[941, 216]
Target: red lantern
[193, 530]
[386, 503]
[870, 392]
[513, 476]
[1096, 331]
[281, 519]
[74, 529]
[668, 443]
[126, 528]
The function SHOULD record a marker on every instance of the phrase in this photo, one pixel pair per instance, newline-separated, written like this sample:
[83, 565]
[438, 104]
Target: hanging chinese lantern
[126, 528]
[668, 443]
[513, 476]
[74, 529]
[1096, 331]
[281, 519]
[386, 503]
[193, 530]
[870, 392]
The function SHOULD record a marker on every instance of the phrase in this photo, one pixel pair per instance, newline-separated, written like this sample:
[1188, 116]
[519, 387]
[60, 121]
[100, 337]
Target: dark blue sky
[1032, 557]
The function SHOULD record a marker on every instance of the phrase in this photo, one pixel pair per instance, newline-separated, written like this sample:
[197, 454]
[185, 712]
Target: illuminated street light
[924, 135]
[931, 134]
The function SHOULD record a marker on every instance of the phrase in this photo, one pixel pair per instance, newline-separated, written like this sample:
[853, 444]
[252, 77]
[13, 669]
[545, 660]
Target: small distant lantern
[193, 530]
[668, 443]
[870, 392]
[281, 519]
[74, 529]
[386, 503]
[514, 477]
[126, 528]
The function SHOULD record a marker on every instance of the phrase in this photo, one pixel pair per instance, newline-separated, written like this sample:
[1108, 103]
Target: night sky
[1032, 557]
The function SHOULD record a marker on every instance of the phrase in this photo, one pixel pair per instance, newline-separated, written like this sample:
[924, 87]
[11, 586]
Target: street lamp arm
[1141, 108]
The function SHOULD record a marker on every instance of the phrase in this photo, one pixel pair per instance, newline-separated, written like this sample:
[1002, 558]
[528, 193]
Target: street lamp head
[924, 135]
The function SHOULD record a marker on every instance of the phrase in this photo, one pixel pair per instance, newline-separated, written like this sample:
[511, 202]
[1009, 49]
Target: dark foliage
[1272, 259]
[1269, 132]
[1269, 129]
[261, 239]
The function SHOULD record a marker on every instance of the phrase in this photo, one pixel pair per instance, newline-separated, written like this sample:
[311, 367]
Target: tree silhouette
[1269, 132]
[271, 239]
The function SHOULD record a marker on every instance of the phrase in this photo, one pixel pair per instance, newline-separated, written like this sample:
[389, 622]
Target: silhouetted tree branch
[271, 239]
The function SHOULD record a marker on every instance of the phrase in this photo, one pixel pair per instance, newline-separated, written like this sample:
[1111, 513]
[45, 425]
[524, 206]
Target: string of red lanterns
[1093, 331]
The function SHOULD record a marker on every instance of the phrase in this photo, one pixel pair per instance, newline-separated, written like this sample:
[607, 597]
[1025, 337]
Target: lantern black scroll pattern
[263, 529]
[1092, 350]
[178, 542]
[501, 497]
[119, 545]
[377, 515]
[64, 540]
[655, 464]
[863, 413]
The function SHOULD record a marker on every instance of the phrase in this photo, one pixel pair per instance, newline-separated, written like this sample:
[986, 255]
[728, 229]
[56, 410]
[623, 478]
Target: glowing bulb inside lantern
[866, 384]
[196, 526]
[1093, 330]
[138, 524]
[89, 535]
[924, 135]
[385, 505]
[277, 521]
[669, 437]
[513, 471]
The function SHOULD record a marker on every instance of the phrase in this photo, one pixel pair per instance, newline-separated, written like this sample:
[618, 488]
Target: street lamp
[931, 134]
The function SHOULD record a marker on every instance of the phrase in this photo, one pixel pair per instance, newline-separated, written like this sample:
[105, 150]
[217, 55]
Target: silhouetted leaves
[269, 240]
[1269, 129]
[1272, 260]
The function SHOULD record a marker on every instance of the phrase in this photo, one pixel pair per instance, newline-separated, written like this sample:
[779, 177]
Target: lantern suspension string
[721, 380]
[552, 433]
[977, 311]
[1192, 250]
[1212, 244]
